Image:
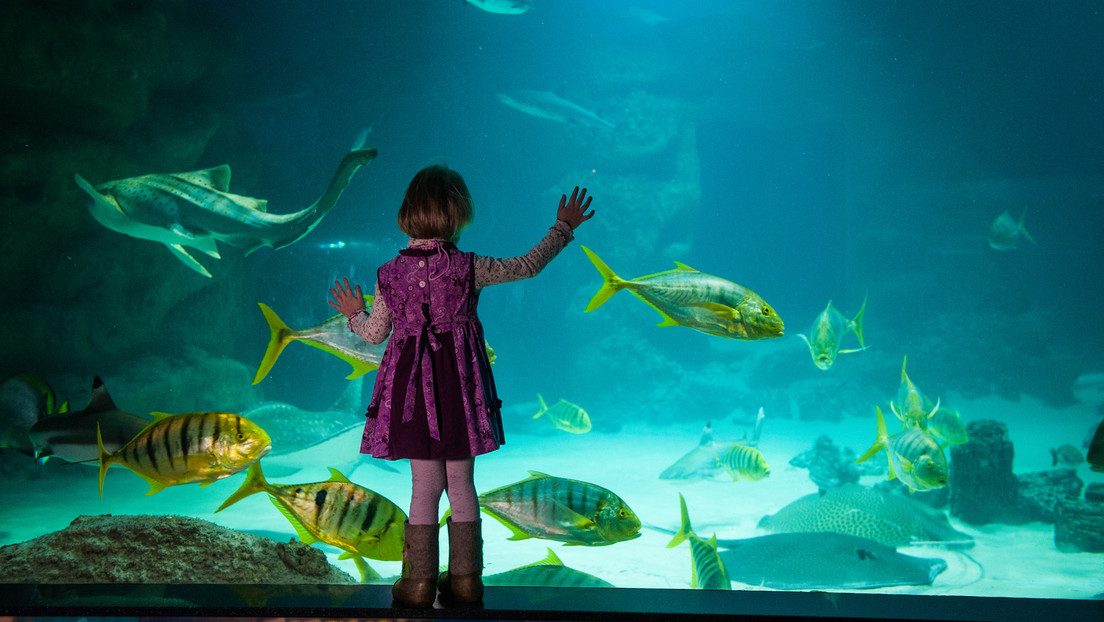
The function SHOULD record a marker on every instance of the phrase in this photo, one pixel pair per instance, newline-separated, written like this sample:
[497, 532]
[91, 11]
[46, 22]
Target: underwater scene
[859, 349]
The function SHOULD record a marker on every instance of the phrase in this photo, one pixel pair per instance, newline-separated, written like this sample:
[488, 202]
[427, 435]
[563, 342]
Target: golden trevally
[707, 571]
[914, 457]
[703, 302]
[828, 331]
[565, 416]
[191, 447]
[911, 405]
[338, 512]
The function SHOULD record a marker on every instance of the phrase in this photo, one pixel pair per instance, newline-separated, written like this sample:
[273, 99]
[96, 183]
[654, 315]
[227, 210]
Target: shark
[548, 105]
[196, 209]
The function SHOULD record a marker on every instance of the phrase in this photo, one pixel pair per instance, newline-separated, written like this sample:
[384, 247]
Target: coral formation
[161, 549]
[828, 466]
[1079, 526]
[983, 487]
[1041, 493]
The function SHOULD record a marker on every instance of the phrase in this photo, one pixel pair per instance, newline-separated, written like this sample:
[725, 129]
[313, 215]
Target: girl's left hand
[347, 300]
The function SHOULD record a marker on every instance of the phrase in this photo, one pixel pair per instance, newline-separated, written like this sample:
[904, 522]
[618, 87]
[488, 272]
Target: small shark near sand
[548, 105]
[196, 209]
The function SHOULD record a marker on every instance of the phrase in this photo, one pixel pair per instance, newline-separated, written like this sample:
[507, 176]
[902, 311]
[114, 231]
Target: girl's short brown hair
[437, 205]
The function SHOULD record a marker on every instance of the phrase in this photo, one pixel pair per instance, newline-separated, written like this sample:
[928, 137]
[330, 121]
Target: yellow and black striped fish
[741, 462]
[703, 302]
[915, 457]
[565, 416]
[707, 572]
[564, 510]
[338, 512]
[191, 447]
[912, 407]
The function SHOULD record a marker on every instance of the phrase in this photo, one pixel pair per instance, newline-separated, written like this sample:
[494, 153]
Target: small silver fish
[827, 333]
[1067, 456]
[1005, 232]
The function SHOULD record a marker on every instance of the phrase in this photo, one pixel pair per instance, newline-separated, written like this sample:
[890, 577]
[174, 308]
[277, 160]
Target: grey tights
[430, 478]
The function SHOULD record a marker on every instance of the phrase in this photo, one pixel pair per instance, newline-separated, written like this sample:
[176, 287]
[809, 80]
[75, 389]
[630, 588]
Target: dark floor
[132, 603]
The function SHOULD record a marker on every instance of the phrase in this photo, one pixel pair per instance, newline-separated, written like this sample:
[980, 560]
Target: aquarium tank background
[914, 188]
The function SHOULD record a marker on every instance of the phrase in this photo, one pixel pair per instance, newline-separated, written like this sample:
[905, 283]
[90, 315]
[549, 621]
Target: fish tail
[611, 286]
[543, 407]
[904, 376]
[880, 443]
[278, 339]
[104, 456]
[685, 530]
[1023, 231]
[254, 482]
[856, 323]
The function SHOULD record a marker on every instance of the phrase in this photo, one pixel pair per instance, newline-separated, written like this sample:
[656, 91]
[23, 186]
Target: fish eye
[767, 311]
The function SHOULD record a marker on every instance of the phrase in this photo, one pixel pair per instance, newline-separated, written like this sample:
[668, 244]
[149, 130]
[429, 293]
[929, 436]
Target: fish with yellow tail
[331, 335]
[565, 416]
[827, 333]
[707, 572]
[947, 425]
[563, 510]
[187, 448]
[1005, 232]
[360, 522]
[911, 407]
[703, 302]
[914, 457]
[742, 463]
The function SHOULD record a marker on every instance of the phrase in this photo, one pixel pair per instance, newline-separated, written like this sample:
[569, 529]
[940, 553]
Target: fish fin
[611, 282]
[155, 486]
[879, 444]
[187, 259]
[337, 476]
[543, 407]
[366, 571]
[1023, 231]
[684, 268]
[685, 531]
[724, 312]
[305, 536]
[857, 323]
[104, 456]
[444, 519]
[254, 483]
[851, 351]
[158, 415]
[279, 337]
[217, 178]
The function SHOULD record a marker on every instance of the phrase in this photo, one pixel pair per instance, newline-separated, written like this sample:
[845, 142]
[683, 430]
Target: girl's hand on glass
[347, 300]
[573, 211]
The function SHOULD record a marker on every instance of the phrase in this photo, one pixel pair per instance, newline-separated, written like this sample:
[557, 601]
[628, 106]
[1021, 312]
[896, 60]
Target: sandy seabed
[1006, 561]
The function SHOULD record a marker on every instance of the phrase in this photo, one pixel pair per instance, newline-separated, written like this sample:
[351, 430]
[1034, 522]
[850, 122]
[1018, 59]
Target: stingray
[851, 509]
[823, 561]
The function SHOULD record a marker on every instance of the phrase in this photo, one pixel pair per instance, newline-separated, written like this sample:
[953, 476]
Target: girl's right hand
[573, 210]
[346, 299]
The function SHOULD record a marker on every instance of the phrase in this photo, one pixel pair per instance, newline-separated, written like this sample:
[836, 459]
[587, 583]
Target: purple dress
[434, 396]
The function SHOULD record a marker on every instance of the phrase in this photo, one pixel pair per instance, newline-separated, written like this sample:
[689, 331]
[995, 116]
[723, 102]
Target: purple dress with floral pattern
[434, 396]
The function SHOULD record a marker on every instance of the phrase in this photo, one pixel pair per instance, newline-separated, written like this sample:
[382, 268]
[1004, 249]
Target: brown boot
[463, 582]
[418, 585]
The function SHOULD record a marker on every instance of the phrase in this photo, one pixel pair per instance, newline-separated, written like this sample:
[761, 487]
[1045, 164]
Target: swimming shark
[196, 209]
[548, 105]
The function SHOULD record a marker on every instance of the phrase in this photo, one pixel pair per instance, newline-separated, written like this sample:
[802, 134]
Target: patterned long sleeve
[375, 326]
[492, 271]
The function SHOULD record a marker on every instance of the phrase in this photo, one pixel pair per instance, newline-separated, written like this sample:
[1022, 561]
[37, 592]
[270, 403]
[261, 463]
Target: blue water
[810, 151]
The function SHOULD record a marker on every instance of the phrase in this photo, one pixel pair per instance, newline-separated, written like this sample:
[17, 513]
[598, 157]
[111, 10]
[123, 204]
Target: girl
[434, 401]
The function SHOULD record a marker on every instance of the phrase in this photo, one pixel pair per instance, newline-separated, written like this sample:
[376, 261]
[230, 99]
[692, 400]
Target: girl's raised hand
[347, 300]
[573, 210]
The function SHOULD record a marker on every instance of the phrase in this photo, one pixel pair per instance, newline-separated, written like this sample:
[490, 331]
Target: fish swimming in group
[823, 561]
[292, 428]
[196, 209]
[911, 406]
[855, 510]
[565, 416]
[563, 510]
[1095, 455]
[703, 462]
[827, 333]
[362, 523]
[742, 463]
[193, 447]
[947, 425]
[703, 302]
[1067, 456]
[1005, 232]
[707, 572]
[331, 335]
[503, 7]
[548, 572]
[71, 436]
[914, 456]
[25, 398]
[548, 105]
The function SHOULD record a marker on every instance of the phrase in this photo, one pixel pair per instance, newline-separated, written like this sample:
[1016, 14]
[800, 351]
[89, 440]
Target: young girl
[434, 401]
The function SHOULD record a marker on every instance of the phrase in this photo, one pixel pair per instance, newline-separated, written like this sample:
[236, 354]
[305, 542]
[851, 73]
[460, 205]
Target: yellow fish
[338, 512]
[703, 302]
[565, 416]
[827, 333]
[911, 405]
[947, 425]
[743, 463]
[914, 456]
[187, 448]
[707, 571]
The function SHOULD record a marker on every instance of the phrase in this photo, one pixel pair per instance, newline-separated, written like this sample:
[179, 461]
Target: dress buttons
[421, 263]
[421, 283]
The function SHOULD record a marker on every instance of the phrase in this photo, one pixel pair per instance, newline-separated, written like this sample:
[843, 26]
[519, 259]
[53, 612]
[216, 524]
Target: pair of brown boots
[461, 583]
